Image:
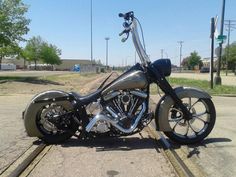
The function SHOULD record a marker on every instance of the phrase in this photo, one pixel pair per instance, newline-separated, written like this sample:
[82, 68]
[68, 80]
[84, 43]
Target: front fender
[162, 109]
[32, 109]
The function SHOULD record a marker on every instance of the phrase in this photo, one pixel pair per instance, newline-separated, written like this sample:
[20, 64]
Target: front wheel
[193, 130]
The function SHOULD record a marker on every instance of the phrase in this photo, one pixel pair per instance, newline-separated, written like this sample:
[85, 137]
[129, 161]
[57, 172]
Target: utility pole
[180, 54]
[91, 20]
[212, 49]
[230, 25]
[217, 78]
[107, 38]
[135, 57]
[162, 51]
[166, 55]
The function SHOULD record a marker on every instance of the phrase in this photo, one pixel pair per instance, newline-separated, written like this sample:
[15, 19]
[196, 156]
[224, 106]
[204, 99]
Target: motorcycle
[185, 115]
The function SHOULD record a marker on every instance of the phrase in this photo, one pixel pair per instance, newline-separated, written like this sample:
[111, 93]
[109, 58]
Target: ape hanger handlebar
[131, 25]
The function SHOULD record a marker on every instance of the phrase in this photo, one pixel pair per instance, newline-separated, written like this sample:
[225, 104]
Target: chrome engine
[120, 109]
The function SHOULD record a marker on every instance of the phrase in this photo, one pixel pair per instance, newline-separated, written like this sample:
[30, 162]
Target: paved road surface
[13, 139]
[216, 154]
[133, 156]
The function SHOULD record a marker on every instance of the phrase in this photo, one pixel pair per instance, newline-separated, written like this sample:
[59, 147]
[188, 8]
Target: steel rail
[17, 167]
[180, 167]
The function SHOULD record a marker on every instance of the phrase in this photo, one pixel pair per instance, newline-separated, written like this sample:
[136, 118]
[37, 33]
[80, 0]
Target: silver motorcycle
[185, 115]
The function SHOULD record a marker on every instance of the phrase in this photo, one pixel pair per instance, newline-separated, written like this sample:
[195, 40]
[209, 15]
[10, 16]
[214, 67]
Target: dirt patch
[69, 82]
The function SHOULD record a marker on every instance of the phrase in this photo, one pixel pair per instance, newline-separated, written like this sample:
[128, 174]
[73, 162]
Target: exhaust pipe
[102, 117]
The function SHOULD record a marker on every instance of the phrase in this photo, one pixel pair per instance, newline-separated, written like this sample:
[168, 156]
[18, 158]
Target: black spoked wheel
[193, 130]
[52, 122]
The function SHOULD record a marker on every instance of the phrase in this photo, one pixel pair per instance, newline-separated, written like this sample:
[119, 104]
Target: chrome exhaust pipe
[102, 117]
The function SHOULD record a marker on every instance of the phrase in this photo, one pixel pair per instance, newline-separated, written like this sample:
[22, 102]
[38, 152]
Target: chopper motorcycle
[185, 115]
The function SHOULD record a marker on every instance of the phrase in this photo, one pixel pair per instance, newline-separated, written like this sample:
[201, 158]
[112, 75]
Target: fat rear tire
[57, 137]
[31, 121]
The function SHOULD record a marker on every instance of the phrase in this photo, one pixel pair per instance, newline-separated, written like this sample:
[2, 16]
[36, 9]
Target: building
[207, 62]
[66, 65]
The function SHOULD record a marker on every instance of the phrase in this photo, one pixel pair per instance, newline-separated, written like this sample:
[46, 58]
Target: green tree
[32, 51]
[49, 54]
[13, 25]
[37, 50]
[232, 56]
[194, 60]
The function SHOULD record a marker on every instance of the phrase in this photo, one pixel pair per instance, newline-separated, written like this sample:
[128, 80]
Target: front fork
[168, 90]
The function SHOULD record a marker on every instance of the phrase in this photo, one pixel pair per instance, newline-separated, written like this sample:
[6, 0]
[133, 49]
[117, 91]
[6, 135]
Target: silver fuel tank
[131, 80]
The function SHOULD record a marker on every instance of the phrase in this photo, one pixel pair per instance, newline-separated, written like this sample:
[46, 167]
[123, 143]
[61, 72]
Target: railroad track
[26, 162]
[32, 156]
[180, 167]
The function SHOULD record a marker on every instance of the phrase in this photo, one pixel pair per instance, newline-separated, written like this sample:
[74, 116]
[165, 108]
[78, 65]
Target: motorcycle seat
[86, 99]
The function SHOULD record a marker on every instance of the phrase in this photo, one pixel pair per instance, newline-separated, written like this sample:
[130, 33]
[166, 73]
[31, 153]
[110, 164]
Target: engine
[122, 109]
[124, 106]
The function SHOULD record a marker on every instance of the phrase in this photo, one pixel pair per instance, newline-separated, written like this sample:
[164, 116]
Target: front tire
[194, 130]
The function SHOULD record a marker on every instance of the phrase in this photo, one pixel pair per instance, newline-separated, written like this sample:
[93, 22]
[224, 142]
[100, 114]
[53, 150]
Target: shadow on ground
[195, 149]
[114, 144]
[31, 80]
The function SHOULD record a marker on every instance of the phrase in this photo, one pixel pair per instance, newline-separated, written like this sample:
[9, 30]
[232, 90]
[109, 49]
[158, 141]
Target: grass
[69, 76]
[16, 78]
[201, 84]
[45, 78]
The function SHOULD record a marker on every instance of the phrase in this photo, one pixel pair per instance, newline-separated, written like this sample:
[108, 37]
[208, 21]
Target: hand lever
[123, 32]
[125, 38]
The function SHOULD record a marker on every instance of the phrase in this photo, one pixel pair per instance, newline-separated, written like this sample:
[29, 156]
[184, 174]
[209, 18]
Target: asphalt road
[133, 156]
[216, 155]
[13, 139]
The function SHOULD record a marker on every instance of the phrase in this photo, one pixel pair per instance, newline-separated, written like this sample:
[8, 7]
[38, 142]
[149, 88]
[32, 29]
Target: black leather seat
[87, 98]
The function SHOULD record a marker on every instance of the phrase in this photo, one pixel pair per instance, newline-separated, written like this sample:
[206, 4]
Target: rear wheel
[54, 122]
[193, 130]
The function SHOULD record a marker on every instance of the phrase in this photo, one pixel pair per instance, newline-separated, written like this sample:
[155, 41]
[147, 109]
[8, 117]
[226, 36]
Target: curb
[225, 95]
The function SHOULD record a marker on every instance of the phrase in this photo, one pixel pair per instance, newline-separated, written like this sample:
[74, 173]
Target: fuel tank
[130, 80]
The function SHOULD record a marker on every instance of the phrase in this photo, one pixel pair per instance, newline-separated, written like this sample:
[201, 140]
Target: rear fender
[162, 109]
[30, 113]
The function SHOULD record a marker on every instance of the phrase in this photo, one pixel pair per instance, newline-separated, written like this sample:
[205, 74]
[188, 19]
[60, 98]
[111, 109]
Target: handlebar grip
[121, 15]
[127, 15]
[121, 33]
